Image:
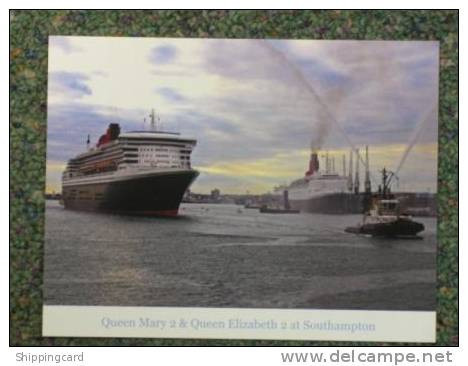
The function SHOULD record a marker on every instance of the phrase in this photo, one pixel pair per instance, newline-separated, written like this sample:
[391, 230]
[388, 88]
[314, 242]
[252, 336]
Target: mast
[367, 202]
[350, 177]
[327, 164]
[384, 182]
[367, 183]
[387, 177]
[356, 179]
[344, 165]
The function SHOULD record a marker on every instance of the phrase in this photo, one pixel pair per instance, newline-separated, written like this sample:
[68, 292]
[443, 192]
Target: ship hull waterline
[398, 228]
[157, 194]
[333, 204]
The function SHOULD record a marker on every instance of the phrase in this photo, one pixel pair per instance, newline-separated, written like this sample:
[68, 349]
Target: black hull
[397, 228]
[158, 194]
[337, 203]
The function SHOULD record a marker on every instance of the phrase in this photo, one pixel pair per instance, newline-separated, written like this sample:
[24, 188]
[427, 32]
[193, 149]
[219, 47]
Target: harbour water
[216, 255]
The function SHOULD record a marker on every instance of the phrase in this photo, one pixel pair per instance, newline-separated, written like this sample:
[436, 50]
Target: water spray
[414, 138]
[298, 74]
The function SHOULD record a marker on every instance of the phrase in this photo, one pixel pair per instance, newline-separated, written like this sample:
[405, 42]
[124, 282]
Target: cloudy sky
[254, 106]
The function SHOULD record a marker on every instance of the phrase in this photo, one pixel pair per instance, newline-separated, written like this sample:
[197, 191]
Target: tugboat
[383, 216]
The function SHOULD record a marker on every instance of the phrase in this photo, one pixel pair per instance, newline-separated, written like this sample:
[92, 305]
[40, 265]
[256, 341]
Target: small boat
[266, 209]
[286, 209]
[251, 206]
[384, 217]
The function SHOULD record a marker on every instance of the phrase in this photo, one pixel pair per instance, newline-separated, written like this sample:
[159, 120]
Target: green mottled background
[29, 31]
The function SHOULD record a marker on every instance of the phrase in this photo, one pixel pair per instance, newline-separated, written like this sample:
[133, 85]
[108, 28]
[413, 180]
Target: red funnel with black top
[313, 164]
[113, 131]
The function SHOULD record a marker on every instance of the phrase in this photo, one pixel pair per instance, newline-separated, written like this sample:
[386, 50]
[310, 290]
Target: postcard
[241, 188]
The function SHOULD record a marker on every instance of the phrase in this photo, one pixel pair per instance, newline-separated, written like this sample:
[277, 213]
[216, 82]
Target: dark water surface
[228, 256]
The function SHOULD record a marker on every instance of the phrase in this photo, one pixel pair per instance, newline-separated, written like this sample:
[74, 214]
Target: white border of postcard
[239, 323]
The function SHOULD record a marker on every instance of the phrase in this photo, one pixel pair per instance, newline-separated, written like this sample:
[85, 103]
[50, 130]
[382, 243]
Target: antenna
[152, 123]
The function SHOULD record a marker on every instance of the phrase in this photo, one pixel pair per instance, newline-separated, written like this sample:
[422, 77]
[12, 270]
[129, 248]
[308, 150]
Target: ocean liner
[138, 172]
[325, 190]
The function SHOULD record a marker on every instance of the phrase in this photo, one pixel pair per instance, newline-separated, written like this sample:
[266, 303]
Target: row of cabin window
[160, 149]
[161, 161]
[152, 149]
[154, 155]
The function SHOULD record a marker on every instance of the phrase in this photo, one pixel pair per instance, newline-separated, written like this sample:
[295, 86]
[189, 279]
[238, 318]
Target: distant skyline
[254, 106]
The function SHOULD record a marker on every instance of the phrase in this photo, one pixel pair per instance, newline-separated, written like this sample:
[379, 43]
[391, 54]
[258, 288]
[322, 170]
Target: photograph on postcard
[236, 179]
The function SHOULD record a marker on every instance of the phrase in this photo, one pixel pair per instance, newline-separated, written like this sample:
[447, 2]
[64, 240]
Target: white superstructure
[317, 185]
[130, 154]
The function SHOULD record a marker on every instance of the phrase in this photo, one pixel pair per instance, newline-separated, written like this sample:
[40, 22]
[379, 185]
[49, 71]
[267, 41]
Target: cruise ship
[138, 173]
[325, 190]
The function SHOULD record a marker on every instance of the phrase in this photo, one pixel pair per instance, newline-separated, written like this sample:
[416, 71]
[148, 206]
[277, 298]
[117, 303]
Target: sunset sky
[254, 106]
